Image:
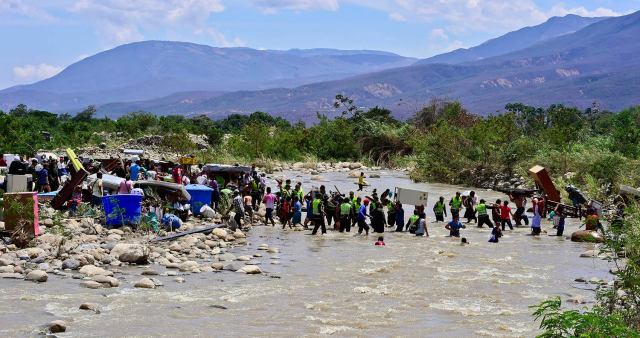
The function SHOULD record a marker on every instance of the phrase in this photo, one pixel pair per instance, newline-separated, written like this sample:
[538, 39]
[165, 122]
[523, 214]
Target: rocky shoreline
[82, 251]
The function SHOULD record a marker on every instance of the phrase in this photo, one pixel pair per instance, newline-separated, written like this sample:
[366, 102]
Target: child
[380, 241]
[496, 233]
[454, 227]
[75, 200]
[440, 210]
[505, 215]
[285, 209]
[463, 241]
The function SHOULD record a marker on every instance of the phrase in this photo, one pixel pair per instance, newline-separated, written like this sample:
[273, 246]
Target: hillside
[596, 63]
[516, 40]
[153, 69]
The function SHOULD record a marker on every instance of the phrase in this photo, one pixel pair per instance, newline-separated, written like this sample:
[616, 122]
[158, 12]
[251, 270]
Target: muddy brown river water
[338, 284]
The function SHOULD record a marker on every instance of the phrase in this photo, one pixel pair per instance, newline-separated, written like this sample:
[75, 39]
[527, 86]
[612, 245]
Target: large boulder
[130, 253]
[145, 283]
[71, 264]
[57, 326]
[37, 276]
[220, 233]
[586, 236]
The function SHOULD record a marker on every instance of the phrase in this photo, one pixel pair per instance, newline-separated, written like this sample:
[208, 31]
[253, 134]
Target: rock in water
[89, 307]
[250, 269]
[589, 254]
[107, 281]
[37, 276]
[130, 253]
[57, 326]
[71, 264]
[145, 283]
[91, 284]
[586, 236]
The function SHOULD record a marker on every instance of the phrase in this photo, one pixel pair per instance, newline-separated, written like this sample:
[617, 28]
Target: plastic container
[122, 209]
[200, 195]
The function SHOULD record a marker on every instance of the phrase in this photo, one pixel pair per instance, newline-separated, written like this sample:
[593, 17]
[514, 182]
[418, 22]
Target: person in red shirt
[177, 174]
[505, 216]
[380, 241]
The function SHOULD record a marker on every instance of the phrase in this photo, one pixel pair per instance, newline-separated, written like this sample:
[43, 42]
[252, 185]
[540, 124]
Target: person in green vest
[412, 223]
[317, 207]
[298, 191]
[391, 212]
[440, 210]
[286, 190]
[355, 206]
[483, 215]
[455, 204]
[345, 215]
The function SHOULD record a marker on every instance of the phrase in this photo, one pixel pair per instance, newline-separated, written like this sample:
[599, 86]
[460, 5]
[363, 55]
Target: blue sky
[41, 37]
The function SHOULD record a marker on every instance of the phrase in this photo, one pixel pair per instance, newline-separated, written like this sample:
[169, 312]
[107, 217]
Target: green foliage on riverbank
[617, 310]
[442, 142]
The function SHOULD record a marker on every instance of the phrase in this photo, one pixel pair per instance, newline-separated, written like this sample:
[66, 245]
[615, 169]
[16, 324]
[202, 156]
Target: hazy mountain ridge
[596, 63]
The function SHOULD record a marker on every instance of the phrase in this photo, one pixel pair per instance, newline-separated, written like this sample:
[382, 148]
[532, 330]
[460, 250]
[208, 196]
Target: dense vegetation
[597, 150]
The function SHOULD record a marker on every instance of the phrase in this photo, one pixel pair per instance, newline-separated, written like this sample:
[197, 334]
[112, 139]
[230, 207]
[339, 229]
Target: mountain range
[571, 60]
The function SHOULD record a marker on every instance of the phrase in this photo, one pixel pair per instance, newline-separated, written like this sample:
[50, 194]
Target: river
[338, 284]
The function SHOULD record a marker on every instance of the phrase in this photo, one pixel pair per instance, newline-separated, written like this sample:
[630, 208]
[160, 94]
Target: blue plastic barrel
[122, 209]
[200, 195]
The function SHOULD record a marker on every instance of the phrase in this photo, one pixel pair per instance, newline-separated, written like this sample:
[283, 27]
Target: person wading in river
[454, 227]
[455, 203]
[421, 226]
[469, 207]
[269, 201]
[345, 215]
[519, 215]
[505, 215]
[483, 215]
[440, 210]
[377, 219]
[318, 214]
[362, 215]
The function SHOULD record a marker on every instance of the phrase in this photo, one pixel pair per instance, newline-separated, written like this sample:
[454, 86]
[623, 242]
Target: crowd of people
[318, 209]
[315, 210]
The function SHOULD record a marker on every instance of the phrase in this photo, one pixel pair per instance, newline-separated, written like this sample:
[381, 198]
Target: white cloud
[397, 17]
[30, 73]
[274, 6]
[220, 38]
[10, 10]
[462, 16]
[439, 33]
[122, 21]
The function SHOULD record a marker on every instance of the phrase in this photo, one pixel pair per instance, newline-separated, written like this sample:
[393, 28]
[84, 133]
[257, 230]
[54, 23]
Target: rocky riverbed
[92, 281]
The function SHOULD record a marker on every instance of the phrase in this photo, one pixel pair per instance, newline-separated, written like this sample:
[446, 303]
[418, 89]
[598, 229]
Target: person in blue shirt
[309, 217]
[297, 211]
[454, 227]
[134, 170]
[362, 215]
